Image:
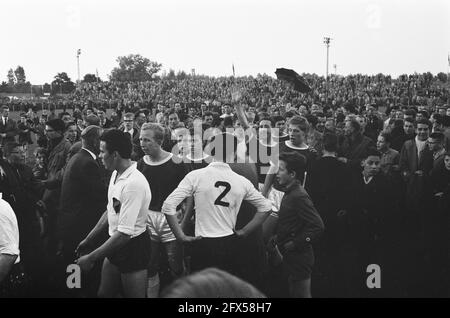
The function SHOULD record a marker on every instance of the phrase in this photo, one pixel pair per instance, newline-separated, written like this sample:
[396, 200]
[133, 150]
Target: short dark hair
[208, 113]
[424, 113]
[223, 142]
[312, 119]
[70, 123]
[410, 112]
[330, 142]
[63, 114]
[371, 152]
[438, 136]
[356, 125]
[117, 140]
[276, 119]
[171, 112]
[295, 162]
[387, 136]
[410, 120]
[423, 122]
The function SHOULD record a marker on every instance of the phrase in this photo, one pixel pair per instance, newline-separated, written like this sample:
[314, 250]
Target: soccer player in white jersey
[218, 194]
[127, 251]
[9, 240]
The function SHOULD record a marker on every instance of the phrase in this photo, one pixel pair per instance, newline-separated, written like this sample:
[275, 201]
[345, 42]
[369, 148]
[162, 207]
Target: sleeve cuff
[125, 230]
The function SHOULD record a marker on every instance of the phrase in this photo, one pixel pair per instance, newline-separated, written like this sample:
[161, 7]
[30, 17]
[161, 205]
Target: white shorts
[158, 227]
[274, 197]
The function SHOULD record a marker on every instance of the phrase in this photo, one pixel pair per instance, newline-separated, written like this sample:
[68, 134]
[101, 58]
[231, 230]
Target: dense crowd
[302, 193]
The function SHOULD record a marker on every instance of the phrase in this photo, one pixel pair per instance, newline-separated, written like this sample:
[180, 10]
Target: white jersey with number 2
[218, 194]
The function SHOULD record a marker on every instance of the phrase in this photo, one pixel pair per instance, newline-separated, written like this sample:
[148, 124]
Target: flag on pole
[233, 68]
[448, 59]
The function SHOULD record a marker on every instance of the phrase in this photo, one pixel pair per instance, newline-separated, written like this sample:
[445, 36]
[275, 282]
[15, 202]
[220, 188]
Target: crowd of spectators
[375, 153]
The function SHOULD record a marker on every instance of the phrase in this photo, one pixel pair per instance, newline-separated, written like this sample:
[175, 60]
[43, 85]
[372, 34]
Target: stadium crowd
[142, 184]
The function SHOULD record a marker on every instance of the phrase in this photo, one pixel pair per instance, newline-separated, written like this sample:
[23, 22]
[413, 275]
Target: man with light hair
[163, 175]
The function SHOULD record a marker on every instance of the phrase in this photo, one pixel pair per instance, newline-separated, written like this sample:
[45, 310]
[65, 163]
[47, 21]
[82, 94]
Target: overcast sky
[368, 36]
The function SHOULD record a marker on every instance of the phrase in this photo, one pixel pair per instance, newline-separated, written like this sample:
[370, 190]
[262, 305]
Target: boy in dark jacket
[299, 225]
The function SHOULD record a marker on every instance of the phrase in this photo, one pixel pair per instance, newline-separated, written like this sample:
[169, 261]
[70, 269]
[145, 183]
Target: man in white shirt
[218, 194]
[9, 239]
[127, 251]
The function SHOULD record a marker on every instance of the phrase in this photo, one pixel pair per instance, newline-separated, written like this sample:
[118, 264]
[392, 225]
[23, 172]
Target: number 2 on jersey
[224, 193]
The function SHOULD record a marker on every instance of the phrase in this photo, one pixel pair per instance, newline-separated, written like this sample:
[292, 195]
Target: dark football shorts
[134, 255]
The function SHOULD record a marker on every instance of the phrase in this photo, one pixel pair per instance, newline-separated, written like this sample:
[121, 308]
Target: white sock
[153, 287]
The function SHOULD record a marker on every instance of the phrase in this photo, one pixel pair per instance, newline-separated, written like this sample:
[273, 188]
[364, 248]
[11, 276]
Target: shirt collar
[219, 164]
[90, 152]
[367, 181]
[420, 141]
[127, 172]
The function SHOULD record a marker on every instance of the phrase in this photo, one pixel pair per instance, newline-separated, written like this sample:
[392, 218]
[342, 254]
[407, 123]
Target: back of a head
[222, 147]
[330, 142]
[117, 140]
[211, 283]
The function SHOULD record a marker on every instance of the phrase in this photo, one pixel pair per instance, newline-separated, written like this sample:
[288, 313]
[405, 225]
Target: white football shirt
[218, 194]
[9, 231]
[128, 201]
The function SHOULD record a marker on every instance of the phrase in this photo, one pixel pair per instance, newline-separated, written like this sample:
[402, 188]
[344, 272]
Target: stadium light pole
[327, 41]
[78, 64]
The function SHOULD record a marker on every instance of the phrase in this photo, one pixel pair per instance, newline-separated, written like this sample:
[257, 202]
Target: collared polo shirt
[128, 200]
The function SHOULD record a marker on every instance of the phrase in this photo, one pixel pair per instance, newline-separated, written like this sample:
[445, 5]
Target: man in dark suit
[327, 184]
[132, 129]
[8, 127]
[105, 123]
[354, 145]
[83, 194]
[416, 163]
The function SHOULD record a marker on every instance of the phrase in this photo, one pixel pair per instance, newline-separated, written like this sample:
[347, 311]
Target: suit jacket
[10, 129]
[137, 150]
[409, 160]
[417, 187]
[355, 150]
[83, 198]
